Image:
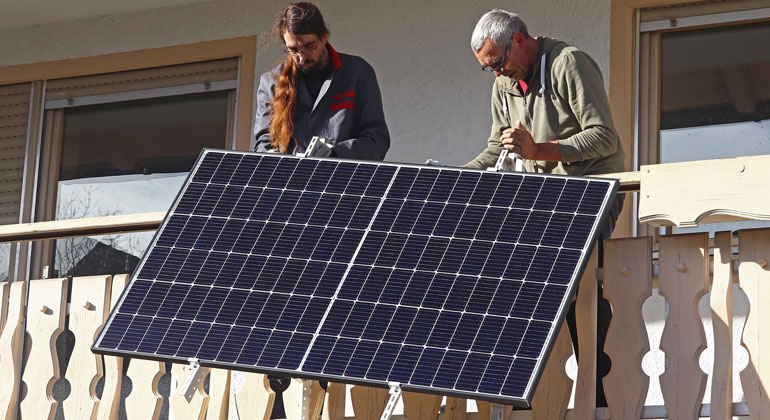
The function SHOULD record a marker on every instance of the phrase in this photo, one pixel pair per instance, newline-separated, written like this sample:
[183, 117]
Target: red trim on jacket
[343, 95]
[336, 62]
[341, 105]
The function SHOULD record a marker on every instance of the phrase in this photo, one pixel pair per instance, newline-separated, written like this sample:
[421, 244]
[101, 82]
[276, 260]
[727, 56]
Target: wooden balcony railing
[686, 268]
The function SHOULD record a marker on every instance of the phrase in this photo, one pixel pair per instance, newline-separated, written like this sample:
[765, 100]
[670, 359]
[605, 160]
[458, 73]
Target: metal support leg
[395, 395]
[196, 376]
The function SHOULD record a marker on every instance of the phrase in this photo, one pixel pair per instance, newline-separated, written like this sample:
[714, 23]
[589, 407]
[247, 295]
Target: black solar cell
[448, 280]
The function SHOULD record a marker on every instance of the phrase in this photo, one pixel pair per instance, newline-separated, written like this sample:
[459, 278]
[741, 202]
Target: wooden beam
[629, 181]
[81, 227]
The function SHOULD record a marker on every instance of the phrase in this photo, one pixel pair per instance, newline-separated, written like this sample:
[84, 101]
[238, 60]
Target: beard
[313, 66]
[309, 66]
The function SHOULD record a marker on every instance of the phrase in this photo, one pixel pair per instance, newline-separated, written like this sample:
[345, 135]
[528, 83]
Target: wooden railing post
[627, 284]
[5, 288]
[334, 402]
[368, 402]
[303, 396]
[585, 316]
[722, 322]
[683, 280]
[144, 401]
[553, 391]
[109, 406]
[456, 409]
[46, 310]
[421, 406]
[89, 309]
[11, 351]
[754, 273]
[219, 395]
[254, 398]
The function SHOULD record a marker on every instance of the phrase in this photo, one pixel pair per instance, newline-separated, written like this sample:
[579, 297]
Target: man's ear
[325, 38]
[518, 38]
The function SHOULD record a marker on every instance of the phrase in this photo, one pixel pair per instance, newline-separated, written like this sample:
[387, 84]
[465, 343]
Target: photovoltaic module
[445, 280]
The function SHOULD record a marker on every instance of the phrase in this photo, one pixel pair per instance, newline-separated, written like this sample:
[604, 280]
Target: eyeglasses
[498, 67]
[304, 50]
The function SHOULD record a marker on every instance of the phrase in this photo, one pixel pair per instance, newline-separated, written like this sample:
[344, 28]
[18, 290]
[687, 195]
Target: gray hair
[499, 26]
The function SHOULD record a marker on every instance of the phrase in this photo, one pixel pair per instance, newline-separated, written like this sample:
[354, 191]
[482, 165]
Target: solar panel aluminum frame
[541, 360]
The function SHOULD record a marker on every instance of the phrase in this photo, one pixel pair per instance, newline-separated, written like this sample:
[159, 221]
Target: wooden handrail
[138, 222]
[88, 226]
[629, 181]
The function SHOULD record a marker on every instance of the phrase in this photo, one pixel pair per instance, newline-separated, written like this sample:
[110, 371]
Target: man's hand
[518, 140]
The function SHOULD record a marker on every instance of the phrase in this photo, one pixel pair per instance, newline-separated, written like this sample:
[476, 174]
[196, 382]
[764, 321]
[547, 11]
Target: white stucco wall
[436, 98]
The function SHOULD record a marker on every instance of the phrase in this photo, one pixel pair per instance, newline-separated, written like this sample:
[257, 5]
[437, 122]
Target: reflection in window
[715, 93]
[129, 157]
[715, 98]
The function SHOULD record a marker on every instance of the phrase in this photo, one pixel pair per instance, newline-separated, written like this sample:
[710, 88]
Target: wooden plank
[219, 395]
[145, 400]
[253, 396]
[81, 227]
[555, 387]
[627, 284]
[4, 290]
[629, 181]
[690, 193]
[179, 407]
[89, 309]
[421, 406]
[585, 317]
[11, 351]
[368, 402]
[456, 409]
[46, 311]
[755, 282]
[334, 402]
[683, 280]
[109, 406]
[722, 322]
[303, 396]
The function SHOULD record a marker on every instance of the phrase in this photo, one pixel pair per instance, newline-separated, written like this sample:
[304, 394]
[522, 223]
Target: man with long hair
[317, 91]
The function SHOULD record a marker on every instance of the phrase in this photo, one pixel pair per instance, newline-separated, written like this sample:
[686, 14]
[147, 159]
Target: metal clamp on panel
[508, 161]
[196, 376]
[318, 147]
[395, 395]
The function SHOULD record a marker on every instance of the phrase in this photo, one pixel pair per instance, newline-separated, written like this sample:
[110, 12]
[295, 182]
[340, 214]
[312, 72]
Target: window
[128, 157]
[95, 124]
[704, 89]
[715, 93]
[121, 144]
[14, 114]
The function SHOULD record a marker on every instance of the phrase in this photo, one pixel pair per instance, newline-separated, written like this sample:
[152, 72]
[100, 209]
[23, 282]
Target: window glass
[715, 97]
[715, 93]
[5, 261]
[129, 157]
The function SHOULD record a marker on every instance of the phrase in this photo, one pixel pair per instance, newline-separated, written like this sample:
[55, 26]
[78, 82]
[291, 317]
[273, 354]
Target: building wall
[436, 99]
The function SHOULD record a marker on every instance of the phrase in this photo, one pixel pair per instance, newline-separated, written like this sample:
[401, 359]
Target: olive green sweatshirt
[565, 101]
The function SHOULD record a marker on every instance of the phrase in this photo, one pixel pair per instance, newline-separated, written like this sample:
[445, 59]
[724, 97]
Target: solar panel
[445, 280]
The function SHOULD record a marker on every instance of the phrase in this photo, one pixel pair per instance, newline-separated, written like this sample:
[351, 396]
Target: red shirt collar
[336, 62]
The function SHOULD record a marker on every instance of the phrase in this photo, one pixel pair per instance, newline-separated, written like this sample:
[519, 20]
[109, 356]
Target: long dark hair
[299, 19]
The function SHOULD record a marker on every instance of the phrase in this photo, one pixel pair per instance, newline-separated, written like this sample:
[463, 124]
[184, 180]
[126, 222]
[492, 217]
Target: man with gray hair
[550, 108]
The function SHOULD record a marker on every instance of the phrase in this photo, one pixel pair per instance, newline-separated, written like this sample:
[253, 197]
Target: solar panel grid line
[269, 182]
[462, 278]
[186, 257]
[347, 271]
